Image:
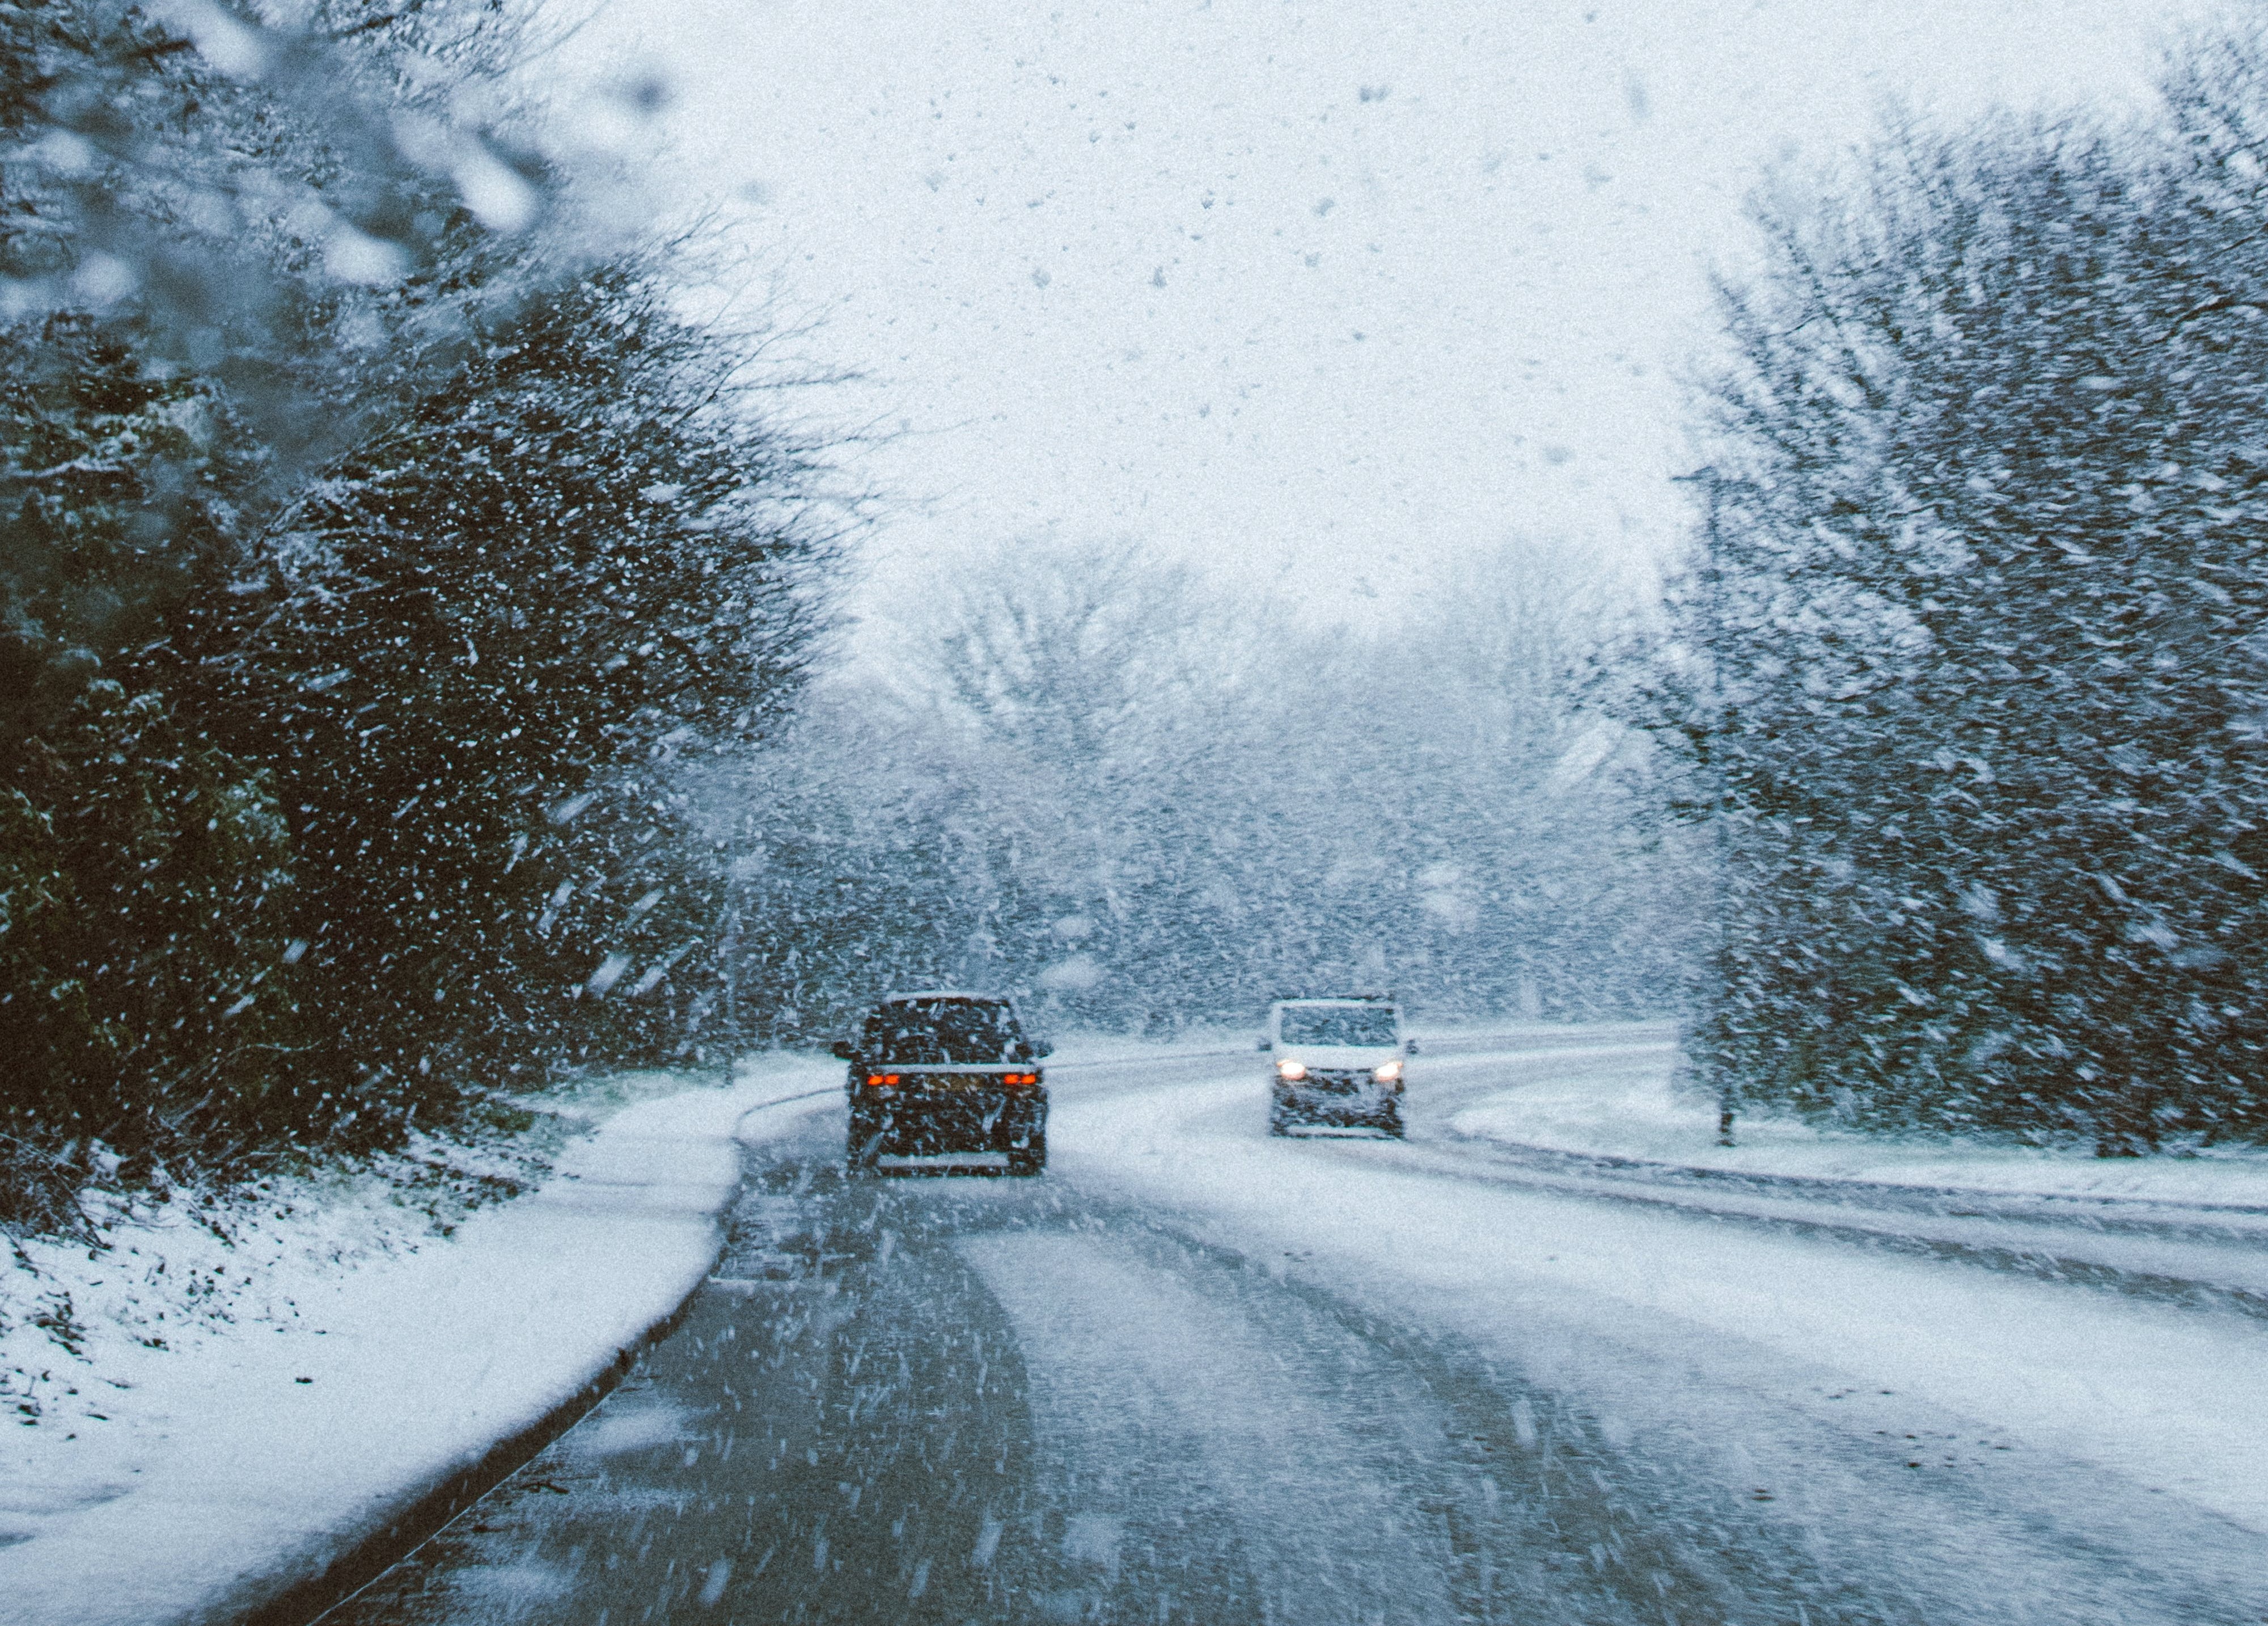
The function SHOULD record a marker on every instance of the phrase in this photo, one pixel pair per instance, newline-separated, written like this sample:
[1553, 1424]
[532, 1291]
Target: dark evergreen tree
[1971, 655]
[480, 651]
[377, 549]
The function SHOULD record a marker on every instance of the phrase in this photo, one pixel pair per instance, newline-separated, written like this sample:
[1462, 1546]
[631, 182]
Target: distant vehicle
[1336, 1061]
[940, 1071]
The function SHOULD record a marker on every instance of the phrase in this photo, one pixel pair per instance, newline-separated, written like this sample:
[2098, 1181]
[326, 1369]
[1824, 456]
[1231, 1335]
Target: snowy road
[1200, 1375]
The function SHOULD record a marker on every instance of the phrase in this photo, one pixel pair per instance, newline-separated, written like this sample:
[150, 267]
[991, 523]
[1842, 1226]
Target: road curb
[302, 1594]
[423, 1514]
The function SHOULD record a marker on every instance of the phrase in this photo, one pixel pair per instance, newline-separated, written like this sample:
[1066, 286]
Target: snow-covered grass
[1627, 1108]
[167, 1271]
[233, 1384]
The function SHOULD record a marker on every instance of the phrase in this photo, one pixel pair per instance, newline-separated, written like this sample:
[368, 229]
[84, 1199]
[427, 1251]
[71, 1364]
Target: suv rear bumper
[952, 1112]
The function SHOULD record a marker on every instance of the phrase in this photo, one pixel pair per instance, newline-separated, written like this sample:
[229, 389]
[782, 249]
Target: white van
[1336, 1061]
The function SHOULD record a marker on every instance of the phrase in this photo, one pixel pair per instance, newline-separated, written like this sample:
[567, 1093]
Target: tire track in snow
[1149, 1399]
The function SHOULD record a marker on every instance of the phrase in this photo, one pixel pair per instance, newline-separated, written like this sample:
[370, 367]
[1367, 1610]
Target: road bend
[1198, 1375]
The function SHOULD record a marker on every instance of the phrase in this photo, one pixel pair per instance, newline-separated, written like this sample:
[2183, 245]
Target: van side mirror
[1037, 1049]
[1410, 1048]
[841, 1050]
[1264, 1045]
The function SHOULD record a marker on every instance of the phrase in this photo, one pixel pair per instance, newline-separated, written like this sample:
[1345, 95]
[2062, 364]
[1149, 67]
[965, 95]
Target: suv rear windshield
[1338, 1025]
[940, 1032]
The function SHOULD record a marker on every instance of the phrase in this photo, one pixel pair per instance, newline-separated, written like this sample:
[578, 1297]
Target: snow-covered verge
[228, 1396]
[1624, 1106]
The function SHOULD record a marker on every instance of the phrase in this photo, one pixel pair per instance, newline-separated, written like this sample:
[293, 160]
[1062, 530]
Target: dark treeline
[1079, 777]
[1972, 668]
[378, 545]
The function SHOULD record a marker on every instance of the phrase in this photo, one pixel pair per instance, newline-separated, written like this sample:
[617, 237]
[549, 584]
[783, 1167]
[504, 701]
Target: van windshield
[940, 1033]
[1339, 1024]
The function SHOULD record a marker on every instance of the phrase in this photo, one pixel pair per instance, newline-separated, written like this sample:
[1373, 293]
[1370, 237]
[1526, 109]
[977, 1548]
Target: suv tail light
[880, 1081]
[1020, 1078]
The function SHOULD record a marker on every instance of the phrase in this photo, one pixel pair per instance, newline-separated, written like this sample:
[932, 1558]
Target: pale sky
[1324, 295]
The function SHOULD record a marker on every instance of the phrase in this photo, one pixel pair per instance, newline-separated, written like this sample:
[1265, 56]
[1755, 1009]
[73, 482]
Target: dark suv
[945, 1072]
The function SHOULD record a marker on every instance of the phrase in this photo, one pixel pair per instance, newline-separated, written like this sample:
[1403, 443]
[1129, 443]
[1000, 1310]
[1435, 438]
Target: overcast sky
[1326, 294]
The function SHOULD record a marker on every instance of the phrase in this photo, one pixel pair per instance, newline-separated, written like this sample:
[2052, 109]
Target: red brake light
[1020, 1078]
[880, 1081]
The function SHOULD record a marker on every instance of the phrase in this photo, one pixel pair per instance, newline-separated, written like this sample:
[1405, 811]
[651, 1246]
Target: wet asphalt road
[963, 1398]
[844, 1429]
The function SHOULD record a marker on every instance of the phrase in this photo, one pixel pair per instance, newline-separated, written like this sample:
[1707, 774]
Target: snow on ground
[1630, 1111]
[1883, 1346]
[245, 1387]
[225, 1393]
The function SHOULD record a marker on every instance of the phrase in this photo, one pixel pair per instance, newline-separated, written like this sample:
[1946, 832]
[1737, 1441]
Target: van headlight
[1390, 1073]
[1287, 1069]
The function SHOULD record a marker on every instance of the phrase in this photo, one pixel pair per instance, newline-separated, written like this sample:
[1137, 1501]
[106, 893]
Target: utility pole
[1714, 725]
